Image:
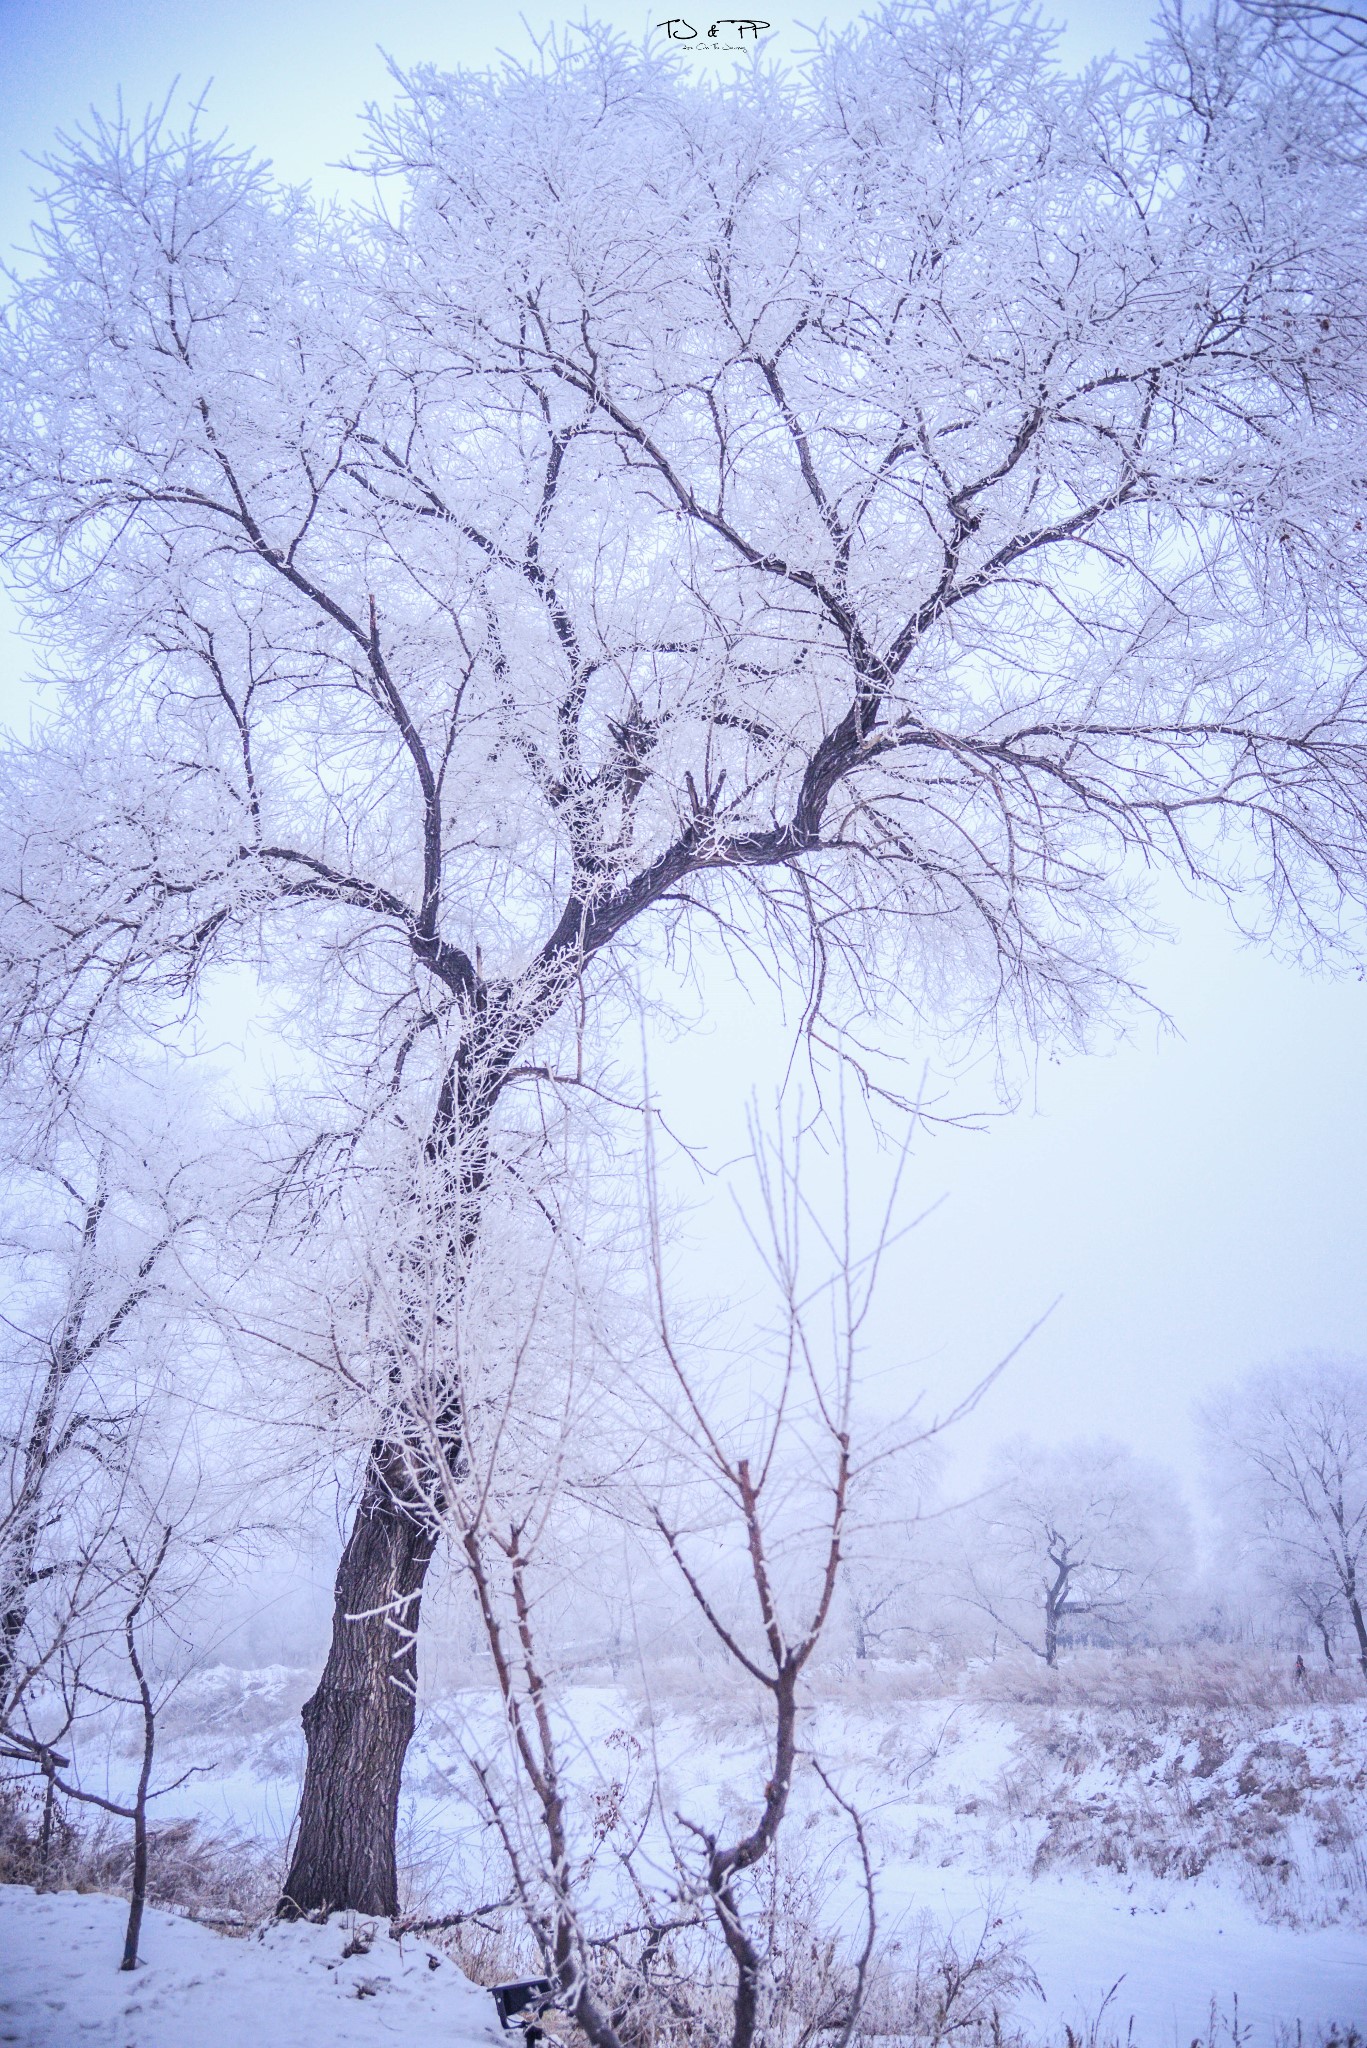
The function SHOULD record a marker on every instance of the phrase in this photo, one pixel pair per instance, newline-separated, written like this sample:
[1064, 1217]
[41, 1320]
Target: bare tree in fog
[869, 519]
[1289, 1443]
[1074, 1540]
[1316, 1599]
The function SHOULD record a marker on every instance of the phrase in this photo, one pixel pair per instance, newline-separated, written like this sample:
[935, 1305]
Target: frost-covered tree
[1289, 1445]
[1075, 1541]
[875, 515]
[101, 1208]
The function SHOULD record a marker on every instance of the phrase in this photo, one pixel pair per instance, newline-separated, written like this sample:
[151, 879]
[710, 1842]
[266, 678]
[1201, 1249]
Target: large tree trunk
[359, 1722]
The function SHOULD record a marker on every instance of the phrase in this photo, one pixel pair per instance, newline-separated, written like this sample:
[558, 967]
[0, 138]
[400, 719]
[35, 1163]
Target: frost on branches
[874, 516]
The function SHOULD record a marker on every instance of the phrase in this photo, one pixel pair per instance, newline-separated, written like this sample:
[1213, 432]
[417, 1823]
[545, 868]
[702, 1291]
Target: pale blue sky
[290, 76]
[1198, 1200]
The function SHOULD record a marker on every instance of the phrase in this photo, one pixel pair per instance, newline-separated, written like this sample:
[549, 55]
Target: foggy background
[1193, 1197]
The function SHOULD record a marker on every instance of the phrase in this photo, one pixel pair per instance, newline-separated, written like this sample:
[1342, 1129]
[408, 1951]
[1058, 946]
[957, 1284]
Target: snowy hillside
[1151, 1863]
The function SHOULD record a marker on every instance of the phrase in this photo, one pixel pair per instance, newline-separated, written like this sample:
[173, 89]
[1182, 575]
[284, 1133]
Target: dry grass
[221, 1878]
[1215, 1676]
[1280, 1803]
[938, 1992]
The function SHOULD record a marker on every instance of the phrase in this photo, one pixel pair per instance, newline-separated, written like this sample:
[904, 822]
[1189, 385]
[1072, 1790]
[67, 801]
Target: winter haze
[683, 853]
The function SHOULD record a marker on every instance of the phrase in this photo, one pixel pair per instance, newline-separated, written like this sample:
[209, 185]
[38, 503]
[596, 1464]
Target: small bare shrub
[947, 1990]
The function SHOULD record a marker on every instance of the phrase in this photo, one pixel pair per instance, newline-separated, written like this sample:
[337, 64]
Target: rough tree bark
[359, 1722]
[360, 1719]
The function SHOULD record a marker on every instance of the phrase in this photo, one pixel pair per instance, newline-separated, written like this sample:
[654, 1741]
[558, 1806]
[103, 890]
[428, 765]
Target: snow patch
[348, 1984]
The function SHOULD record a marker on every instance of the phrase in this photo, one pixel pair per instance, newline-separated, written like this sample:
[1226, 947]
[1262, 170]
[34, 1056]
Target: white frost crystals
[910, 491]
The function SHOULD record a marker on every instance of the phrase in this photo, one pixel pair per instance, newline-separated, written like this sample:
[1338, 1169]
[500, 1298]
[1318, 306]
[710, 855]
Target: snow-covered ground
[290, 1987]
[1170, 1859]
[1161, 1963]
[296, 1987]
